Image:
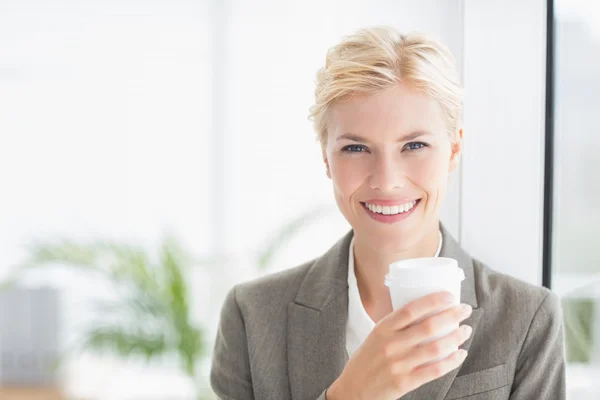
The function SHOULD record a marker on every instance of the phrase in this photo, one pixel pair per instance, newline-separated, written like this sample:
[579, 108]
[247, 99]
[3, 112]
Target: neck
[371, 266]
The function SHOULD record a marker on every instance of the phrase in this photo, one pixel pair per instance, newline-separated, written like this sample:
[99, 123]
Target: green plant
[578, 321]
[284, 234]
[149, 314]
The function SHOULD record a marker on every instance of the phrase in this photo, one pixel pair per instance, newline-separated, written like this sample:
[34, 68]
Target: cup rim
[458, 274]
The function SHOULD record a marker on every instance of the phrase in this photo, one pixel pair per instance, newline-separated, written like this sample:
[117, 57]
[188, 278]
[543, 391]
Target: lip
[392, 202]
[389, 219]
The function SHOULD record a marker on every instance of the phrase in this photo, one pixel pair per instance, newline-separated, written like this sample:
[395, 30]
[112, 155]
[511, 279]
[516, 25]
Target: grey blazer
[283, 336]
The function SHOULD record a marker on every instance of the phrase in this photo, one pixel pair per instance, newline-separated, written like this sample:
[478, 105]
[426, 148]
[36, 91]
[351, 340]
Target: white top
[360, 324]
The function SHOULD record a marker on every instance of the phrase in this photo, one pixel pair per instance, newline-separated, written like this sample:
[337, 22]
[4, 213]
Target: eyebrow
[405, 138]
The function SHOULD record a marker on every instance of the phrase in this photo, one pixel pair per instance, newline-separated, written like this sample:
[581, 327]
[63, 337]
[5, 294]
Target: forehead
[396, 111]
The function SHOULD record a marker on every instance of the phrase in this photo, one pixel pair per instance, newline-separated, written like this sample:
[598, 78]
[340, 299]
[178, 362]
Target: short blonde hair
[375, 59]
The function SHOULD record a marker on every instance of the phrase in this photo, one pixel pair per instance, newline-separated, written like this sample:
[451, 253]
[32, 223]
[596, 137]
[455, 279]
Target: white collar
[360, 324]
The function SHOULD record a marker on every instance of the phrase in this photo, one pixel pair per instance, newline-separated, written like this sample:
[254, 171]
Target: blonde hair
[375, 59]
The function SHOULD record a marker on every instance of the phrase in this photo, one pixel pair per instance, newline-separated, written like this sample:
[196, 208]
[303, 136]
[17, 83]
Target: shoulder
[270, 293]
[265, 300]
[517, 321]
[514, 300]
[493, 284]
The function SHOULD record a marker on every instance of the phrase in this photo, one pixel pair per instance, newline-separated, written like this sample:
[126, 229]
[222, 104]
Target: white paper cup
[412, 279]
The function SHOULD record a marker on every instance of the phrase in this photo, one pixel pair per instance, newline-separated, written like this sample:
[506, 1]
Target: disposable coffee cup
[414, 278]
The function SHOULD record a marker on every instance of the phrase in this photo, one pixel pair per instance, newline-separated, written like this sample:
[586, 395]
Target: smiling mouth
[391, 210]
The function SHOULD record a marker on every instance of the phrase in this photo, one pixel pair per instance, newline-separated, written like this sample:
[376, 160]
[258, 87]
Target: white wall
[502, 188]
[104, 115]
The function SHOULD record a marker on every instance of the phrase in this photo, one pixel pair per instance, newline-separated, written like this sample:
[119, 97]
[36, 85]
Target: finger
[432, 326]
[415, 310]
[430, 372]
[438, 348]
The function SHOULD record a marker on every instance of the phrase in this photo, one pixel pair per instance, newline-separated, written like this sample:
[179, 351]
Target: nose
[387, 174]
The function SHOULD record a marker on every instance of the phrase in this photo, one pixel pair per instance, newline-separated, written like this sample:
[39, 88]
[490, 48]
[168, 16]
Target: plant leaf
[125, 343]
[151, 316]
[175, 263]
[286, 233]
[62, 251]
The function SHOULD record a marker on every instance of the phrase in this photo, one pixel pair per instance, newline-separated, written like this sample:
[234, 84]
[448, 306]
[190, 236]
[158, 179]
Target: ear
[456, 151]
[326, 161]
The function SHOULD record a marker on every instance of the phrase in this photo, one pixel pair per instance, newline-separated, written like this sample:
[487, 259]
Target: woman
[388, 114]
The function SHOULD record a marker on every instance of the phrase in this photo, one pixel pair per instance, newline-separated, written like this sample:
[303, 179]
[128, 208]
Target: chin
[393, 243]
[390, 240]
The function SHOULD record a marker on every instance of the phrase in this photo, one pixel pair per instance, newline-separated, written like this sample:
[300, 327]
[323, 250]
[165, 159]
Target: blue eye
[354, 148]
[415, 145]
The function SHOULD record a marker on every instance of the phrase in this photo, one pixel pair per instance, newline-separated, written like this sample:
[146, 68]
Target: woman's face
[389, 156]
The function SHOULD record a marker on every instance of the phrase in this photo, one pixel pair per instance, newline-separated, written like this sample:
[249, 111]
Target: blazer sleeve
[230, 376]
[540, 372]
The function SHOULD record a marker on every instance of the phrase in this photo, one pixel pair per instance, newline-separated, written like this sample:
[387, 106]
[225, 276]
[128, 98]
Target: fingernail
[466, 309]
[462, 354]
[448, 298]
[467, 330]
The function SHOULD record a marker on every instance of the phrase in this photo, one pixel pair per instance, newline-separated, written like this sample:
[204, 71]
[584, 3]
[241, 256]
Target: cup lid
[428, 271]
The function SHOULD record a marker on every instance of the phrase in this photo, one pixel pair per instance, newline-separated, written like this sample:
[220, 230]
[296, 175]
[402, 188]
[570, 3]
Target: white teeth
[391, 210]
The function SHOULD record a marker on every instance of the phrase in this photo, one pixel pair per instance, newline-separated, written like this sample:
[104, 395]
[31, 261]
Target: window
[576, 220]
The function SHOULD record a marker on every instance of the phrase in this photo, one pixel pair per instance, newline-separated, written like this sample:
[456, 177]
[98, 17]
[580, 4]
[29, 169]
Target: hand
[393, 360]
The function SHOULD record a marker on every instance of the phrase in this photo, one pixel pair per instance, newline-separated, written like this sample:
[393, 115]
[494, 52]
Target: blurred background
[155, 153]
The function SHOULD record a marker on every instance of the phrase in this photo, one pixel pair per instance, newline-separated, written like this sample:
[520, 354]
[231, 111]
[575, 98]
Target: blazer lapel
[437, 389]
[316, 330]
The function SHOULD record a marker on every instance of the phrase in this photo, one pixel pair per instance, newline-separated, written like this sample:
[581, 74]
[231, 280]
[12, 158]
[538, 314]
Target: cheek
[430, 172]
[347, 175]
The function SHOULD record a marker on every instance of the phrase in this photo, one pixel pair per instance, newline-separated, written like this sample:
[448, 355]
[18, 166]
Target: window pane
[577, 190]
